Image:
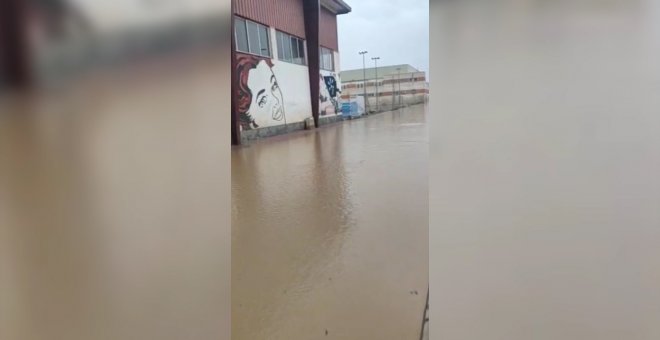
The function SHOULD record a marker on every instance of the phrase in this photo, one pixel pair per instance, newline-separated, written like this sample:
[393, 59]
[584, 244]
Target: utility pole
[412, 87]
[375, 59]
[364, 84]
[398, 70]
[393, 89]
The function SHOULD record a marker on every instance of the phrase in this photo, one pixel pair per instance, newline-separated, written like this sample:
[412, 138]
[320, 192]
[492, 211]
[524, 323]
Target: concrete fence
[393, 102]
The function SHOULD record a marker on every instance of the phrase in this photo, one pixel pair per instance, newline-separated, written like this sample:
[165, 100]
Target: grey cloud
[397, 31]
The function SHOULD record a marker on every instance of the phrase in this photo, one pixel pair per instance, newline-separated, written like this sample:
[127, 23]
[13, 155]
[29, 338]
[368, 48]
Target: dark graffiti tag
[331, 85]
[329, 92]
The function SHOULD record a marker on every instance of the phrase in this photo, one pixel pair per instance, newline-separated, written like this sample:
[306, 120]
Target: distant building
[387, 87]
[286, 61]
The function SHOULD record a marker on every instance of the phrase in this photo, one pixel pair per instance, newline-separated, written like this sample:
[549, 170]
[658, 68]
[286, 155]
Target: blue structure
[350, 109]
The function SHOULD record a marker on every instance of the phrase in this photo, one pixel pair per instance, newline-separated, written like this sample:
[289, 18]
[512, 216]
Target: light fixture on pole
[375, 59]
[364, 81]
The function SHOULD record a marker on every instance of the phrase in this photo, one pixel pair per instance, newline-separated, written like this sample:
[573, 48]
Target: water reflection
[292, 210]
[316, 217]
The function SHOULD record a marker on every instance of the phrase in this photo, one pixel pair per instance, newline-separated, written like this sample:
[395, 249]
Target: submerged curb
[424, 334]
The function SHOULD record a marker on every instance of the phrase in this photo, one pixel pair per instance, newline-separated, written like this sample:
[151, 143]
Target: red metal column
[312, 10]
[235, 121]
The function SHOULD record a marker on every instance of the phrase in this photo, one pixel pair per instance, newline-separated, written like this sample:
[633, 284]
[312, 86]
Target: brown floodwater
[330, 231]
[114, 206]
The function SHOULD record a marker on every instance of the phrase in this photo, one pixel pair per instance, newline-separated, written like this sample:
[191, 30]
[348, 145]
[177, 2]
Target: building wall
[276, 94]
[330, 84]
[328, 30]
[286, 95]
[285, 15]
[370, 72]
[413, 90]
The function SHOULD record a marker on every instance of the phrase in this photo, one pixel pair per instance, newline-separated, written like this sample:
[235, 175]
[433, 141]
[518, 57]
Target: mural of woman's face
[267, 100]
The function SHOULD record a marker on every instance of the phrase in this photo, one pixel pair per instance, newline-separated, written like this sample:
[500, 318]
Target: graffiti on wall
[259, 97]
[329, 96]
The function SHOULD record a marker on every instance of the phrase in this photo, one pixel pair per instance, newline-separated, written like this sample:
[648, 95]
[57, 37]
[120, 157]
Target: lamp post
[412, 87]
[398, 80]
[364, 83]
[375, 59]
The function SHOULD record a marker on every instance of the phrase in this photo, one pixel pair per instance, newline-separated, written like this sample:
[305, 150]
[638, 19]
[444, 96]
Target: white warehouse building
[387, 87]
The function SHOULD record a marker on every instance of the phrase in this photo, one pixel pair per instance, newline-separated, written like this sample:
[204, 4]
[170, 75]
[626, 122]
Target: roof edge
[345, 7]
[337, 6]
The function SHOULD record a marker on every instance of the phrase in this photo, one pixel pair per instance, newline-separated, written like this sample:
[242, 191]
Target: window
[241, 36]
[326, 59]
[264, 40]
[301, 51]
[290, 48]
[252, 37]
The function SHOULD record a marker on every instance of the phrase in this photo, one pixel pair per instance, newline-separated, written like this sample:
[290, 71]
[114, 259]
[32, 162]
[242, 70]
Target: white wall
[293, 81]
[333, 104]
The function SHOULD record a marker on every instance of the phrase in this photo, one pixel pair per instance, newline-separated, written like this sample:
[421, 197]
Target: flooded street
[330, 231]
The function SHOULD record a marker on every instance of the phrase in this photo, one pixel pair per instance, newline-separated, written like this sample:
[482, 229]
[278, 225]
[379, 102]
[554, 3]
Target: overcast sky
[397, 31]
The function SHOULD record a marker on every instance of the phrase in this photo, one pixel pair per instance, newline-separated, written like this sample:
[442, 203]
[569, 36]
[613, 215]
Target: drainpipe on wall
[312, 9]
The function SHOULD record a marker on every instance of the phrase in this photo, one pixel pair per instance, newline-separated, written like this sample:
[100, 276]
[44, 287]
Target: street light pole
[375, 59]
[364, 84]
[412, 87]
[399, 81]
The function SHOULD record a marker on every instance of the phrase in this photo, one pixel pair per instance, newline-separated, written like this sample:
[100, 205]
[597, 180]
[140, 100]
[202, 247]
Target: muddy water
[329, 231]
[114, 208]
[545, 194]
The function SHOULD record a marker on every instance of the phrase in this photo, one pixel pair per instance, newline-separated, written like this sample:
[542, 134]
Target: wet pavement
[330, 231]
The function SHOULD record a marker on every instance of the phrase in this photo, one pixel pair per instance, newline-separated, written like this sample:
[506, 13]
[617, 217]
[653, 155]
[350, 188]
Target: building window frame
[329, 52]
[262, 30]
[297, 56]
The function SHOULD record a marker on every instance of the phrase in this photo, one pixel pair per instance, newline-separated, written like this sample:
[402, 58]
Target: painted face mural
[259, 96]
